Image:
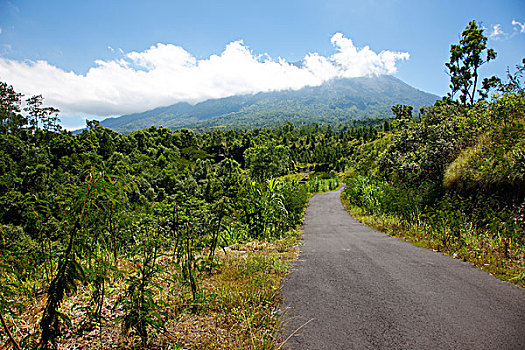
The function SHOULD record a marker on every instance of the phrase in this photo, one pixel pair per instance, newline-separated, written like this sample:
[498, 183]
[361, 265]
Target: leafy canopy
[465, 59]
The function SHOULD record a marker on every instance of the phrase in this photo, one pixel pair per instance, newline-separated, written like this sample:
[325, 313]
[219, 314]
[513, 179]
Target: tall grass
[492, 240]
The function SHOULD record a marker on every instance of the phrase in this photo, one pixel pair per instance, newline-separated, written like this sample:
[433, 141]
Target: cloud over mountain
[165, 74]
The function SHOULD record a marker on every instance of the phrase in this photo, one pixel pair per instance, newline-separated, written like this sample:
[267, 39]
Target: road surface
[357, 288]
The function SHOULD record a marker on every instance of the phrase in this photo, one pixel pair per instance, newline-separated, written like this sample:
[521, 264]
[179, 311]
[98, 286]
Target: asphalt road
[357, 288]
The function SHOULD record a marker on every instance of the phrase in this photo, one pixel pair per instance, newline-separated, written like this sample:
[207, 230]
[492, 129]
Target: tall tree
[45, 117]
[10, 101]
[266, 162]
[465, 59]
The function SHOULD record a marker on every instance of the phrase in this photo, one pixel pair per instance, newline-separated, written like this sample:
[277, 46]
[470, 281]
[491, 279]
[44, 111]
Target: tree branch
[9, 335]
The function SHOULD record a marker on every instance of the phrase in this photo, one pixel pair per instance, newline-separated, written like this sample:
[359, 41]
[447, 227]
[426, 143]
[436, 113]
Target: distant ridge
[333, 102]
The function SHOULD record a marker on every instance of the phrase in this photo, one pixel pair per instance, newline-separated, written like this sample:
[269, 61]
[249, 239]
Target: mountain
[334, 101]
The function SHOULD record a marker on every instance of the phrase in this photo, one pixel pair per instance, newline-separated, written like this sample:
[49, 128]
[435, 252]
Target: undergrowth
[495, 254]
[234, 309]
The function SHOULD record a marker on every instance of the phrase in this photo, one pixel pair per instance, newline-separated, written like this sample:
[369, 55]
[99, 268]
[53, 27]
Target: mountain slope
[332, 102]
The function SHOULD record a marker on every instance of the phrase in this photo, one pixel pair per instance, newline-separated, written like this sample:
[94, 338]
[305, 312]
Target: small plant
[97, 190]
[141, 310]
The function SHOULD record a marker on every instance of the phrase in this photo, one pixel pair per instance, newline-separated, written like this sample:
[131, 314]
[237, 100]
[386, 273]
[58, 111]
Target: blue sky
[103, 58]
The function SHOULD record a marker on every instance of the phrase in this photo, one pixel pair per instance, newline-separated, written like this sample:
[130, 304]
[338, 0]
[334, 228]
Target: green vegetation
[179, 239]
[142, 240]
[453, 177]
[465, 59]
[335, 102]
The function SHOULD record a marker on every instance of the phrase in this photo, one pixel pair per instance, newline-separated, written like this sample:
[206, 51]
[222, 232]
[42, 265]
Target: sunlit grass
[497, 256]
[236, 308]
[496, 159]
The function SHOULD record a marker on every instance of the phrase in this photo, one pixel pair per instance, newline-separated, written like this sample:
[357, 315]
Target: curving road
[357, 288]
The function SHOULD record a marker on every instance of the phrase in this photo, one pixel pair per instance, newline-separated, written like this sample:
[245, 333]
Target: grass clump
[495, 162]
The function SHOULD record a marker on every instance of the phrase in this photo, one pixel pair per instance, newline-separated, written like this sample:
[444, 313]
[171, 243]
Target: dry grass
[236, 307]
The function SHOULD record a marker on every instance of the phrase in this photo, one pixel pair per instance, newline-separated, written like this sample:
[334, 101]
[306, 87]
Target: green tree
[10, 117]
[266, 162]
[98, 193]
[403, 116]
[514, 83]
[465, 59]
[44, 117]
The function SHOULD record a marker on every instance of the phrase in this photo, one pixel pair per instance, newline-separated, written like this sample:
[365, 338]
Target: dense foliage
[452, 178]
[75, 206]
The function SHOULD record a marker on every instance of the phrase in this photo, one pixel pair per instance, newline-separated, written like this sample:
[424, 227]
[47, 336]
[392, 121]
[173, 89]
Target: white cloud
[497, 33]
[518, 26]
[111, 49]
[165, 74]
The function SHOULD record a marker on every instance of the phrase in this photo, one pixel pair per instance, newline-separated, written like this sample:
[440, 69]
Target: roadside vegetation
[452, 178]
[156, 239]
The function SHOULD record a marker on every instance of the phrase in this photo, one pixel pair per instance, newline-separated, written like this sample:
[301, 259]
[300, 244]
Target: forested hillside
[336, 101]
[95, 225]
